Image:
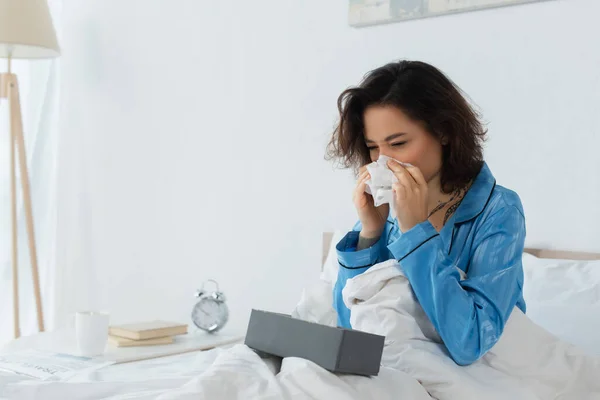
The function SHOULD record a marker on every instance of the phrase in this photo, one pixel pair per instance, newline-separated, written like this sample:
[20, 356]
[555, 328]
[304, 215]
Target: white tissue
[380, 184]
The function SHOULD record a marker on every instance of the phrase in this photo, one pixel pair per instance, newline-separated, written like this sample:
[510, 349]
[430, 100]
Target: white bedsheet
[233, 373]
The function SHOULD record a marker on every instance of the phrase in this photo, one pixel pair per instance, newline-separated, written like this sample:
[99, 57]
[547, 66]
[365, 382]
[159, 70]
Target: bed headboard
[540, 253]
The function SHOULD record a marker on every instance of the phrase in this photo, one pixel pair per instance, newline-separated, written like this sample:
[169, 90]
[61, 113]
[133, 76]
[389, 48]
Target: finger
[401, 173]
[399, 191]
[416, 174]
[407, 181]
[361, 177]
[361, 195]
[364, 178]
[360, 189]
[394, 165]
[362, 184]
[400, 163]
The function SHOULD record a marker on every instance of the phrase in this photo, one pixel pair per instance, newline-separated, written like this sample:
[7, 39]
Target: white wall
[194, 133]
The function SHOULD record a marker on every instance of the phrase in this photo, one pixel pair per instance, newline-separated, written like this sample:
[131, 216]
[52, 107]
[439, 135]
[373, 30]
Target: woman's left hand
[410, 195]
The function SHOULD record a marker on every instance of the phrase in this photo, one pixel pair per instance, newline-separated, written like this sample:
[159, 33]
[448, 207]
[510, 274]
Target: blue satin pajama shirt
[484, 238]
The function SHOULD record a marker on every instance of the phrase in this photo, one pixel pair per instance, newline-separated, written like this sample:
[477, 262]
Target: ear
[444, 140]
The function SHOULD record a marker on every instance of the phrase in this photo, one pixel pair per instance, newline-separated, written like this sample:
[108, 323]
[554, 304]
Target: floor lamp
[26, 32]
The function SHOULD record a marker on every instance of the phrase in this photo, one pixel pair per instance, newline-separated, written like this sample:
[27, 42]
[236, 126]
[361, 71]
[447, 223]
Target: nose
[383, 151]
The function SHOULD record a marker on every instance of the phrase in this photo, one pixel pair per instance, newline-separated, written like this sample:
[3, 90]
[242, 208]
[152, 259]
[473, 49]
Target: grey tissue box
[335, 349]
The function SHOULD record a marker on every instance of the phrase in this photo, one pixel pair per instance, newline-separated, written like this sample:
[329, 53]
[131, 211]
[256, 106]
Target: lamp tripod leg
[17, 139]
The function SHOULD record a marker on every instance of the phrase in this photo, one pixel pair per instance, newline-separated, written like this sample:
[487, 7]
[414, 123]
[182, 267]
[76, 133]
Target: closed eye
[398, 144]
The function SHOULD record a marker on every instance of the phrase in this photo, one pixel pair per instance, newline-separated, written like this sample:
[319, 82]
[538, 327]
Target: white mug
[91, 331]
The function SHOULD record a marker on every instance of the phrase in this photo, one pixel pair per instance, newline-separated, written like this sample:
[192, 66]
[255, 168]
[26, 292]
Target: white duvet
[222, 374]
[527, 363]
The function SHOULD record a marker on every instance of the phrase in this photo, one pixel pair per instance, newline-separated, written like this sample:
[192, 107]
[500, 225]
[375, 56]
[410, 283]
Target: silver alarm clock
[210, 313]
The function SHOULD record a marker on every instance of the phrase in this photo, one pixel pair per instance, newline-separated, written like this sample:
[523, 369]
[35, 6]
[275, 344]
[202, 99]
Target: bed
[563, 296]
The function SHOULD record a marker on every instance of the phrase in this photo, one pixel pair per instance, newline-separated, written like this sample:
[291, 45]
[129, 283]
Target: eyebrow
[389, 138]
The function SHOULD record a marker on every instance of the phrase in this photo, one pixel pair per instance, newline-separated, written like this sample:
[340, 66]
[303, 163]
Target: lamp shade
[26, 29]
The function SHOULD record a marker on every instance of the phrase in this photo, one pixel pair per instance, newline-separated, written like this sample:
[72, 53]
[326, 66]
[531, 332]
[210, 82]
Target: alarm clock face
[209, 314]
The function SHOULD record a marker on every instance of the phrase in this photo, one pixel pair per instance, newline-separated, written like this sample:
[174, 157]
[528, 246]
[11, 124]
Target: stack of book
[145, 333]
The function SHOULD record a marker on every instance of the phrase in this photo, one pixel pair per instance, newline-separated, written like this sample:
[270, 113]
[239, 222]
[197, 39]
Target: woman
[449, 213]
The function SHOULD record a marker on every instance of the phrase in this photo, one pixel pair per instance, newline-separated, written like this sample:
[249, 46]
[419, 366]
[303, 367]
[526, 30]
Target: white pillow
[563, 296]
[331, 265]
[316, 301]
[561, 281]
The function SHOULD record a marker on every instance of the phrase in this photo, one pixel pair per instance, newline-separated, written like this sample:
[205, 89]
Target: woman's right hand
[372, 218]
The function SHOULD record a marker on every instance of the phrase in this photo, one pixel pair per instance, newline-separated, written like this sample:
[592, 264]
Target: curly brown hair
[425, 95]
